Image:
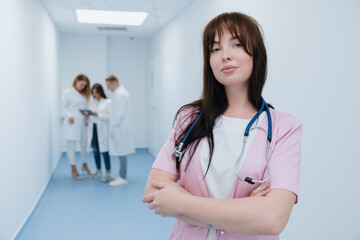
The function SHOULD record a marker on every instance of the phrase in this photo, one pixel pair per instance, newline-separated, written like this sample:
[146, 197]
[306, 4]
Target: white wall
[82, 54]
[29, 109]
[99, 56]
[128, 60]
[313, 49]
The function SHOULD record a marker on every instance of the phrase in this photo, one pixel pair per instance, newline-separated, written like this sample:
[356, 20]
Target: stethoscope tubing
[178, 151]
[248, 179]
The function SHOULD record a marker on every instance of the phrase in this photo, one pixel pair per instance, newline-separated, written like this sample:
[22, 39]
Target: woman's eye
[214, 50]
[238, 45]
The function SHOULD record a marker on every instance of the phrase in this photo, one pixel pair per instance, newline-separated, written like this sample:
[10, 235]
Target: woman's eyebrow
[231, 39]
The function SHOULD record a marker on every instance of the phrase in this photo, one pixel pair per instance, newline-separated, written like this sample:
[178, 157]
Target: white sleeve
[65, 112]
[105, 115]
[118, 109]
[91, 107]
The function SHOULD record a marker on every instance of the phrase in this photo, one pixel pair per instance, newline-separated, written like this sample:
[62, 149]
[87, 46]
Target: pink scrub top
[284, 162]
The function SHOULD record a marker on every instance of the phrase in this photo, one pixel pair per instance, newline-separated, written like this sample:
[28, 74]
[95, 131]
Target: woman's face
[80, 85]
[96, 94]
[231, 64]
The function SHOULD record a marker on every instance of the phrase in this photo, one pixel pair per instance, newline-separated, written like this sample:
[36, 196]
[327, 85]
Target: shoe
[96, 175]
[78, 177]
[86, 169]
[107, 178]
[115, 177]
[118, 182]
[75, 173]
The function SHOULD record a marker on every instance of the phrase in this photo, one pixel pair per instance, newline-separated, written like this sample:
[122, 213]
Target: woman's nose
[226, 55]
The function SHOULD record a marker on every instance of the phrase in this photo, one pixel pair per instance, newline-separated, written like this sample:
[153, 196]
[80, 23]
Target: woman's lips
[228, 69]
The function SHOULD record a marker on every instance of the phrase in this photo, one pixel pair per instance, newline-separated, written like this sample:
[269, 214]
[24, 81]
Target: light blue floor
[90, 209]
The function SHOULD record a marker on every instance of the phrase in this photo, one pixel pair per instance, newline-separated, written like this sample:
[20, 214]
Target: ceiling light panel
[110, 17]
[132, 5]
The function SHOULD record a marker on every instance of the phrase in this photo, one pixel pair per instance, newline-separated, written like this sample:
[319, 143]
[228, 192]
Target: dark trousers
[123, 166]
[95, 146]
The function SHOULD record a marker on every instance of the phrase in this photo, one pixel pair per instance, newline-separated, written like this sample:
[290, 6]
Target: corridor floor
[90, 209]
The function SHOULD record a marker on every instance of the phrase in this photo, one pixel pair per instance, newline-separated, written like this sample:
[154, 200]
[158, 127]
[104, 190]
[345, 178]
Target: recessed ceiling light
[110, 17]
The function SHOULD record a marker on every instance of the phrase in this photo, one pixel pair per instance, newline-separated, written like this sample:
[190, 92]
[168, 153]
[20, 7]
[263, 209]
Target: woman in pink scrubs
[211, 202]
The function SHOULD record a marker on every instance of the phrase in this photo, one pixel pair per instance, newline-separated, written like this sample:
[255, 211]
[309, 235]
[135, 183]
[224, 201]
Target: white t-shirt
[228, 140]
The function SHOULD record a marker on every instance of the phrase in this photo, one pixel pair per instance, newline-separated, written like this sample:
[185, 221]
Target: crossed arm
[265, 212]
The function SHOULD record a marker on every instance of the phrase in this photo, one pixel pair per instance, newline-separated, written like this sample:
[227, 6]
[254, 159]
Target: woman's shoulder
[284, 121]
[106, 101]
[188, 111]
[68, 89]
[185, 116]
[71, 90]
[285, 116]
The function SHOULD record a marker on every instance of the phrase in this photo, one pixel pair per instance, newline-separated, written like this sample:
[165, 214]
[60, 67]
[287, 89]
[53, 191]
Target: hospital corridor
[172, 119]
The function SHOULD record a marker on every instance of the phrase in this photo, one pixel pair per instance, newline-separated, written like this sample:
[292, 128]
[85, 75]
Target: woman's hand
[96, 114]
[87, 116]
[261, 191]
[165, 200]
[71, 120]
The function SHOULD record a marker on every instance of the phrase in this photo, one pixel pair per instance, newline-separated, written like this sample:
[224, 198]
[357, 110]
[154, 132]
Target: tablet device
[86, 112]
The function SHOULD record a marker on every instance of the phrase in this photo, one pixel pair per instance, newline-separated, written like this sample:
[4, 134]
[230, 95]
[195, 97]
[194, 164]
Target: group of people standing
[102, 124]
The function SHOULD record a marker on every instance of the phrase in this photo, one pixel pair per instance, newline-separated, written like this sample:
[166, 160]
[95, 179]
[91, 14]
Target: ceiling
[160, 13]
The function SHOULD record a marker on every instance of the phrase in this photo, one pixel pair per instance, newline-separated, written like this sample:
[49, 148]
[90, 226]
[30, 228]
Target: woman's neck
[239, 104]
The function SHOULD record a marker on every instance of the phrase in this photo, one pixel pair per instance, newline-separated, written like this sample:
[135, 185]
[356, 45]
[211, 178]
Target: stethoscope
[178, 151]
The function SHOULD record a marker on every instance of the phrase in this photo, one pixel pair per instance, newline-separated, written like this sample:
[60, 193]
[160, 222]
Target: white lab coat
[102, 107]
[71, 102]
[121, 138]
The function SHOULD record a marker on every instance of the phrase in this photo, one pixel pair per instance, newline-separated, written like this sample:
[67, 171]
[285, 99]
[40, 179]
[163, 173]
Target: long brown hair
[86, 90]
[99, 89]
[214, 100]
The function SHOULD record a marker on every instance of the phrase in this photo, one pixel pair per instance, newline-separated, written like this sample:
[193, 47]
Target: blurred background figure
[98, 130]
[73, 99]
[121, 138]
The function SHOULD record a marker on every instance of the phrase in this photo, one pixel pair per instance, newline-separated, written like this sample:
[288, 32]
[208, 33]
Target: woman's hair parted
[99, 89]
[214, 101]
[86, 90]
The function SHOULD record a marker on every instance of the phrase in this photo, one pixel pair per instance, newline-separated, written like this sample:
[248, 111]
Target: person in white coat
[121, 138]
[98, 130]
[74, 125]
